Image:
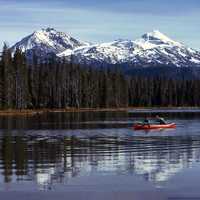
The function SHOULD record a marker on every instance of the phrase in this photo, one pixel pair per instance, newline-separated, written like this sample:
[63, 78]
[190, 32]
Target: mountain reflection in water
[48, 159]
[54, 149]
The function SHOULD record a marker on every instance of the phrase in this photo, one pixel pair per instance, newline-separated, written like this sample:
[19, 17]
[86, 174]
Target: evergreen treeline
[58, 84]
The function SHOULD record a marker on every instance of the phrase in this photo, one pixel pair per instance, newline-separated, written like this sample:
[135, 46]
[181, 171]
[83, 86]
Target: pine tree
[21, 80]
[7, 78]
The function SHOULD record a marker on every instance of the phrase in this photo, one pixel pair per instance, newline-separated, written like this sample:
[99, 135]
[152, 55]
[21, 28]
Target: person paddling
[160, 120]
[146, 122]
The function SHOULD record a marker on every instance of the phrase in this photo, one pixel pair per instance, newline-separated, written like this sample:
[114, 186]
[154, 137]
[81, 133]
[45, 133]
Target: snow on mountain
[155, 38]
[111, 53]
[47, 41]
[152, 49]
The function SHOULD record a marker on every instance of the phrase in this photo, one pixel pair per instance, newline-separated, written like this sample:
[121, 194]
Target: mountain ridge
[47, 41]
[151, 49]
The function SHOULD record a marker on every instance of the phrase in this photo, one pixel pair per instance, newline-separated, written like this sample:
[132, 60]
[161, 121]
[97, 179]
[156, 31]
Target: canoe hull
[153, 126]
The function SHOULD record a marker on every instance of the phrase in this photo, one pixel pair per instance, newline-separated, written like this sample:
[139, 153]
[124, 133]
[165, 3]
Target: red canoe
[153, 126]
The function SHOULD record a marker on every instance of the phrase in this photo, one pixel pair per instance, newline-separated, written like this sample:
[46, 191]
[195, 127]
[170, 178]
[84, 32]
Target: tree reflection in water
[49, 159]
[55, 148]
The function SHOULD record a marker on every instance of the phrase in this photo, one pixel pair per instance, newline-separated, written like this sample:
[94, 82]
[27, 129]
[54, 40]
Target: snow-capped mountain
[152, 49]
[47, 41]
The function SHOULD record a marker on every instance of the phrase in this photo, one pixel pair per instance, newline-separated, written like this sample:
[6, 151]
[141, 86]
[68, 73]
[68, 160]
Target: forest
[60, 84]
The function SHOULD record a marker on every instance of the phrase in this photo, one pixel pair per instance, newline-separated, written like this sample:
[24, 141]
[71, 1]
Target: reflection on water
[57, 159]
[57, 156]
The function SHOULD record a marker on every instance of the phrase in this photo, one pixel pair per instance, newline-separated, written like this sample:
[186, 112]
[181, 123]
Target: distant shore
[30, 112]
[12, 112]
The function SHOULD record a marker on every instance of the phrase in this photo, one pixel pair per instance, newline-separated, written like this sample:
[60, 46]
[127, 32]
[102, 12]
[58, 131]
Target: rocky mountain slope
[152, 49]
[47, 42]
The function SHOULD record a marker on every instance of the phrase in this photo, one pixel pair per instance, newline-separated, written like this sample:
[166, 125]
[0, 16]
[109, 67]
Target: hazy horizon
[101, 21]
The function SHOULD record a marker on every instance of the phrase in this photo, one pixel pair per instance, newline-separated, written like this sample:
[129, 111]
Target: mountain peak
[156, 37]
[47, 32]
[155, 34]
[52, 31]
[47, 41]
[49, 29]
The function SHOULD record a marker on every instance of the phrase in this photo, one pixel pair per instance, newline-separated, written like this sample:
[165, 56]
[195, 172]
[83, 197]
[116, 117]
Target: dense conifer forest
[58, 84]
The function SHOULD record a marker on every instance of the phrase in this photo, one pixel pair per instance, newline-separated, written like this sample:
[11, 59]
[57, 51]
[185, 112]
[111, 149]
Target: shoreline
[11, 112]
[31, 112]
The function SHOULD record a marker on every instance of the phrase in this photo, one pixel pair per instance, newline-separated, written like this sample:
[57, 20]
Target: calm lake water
[99, 151]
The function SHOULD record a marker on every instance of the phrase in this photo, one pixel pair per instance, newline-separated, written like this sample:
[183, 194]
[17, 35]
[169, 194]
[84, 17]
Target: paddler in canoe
[160, 120]
[146, 122]
[161, 123]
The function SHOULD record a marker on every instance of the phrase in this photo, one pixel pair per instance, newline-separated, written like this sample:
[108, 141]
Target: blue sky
[102, 20]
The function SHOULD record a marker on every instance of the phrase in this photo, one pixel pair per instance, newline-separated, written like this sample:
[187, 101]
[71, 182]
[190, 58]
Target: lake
[99, 153]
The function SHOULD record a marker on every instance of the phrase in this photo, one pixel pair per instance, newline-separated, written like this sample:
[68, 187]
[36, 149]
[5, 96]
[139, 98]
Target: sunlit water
[95, 150]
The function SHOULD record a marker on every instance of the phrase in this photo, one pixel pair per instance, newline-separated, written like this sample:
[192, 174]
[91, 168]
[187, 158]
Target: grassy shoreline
[24, 112]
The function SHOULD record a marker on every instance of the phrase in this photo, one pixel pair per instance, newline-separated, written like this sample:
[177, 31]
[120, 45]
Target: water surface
[99, 151]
